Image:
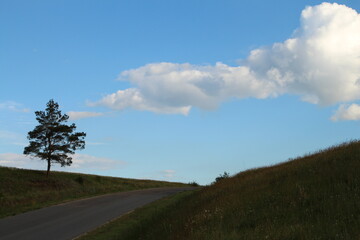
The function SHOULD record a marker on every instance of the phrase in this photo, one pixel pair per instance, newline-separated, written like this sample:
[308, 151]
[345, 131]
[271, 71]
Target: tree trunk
[48, 168]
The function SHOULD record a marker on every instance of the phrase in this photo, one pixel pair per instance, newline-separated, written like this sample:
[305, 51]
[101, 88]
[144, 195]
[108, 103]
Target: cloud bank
[320, 63]
[80, 162]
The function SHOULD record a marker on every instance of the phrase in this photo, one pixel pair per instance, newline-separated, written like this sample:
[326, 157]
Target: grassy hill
[22, 190]
[313, 197]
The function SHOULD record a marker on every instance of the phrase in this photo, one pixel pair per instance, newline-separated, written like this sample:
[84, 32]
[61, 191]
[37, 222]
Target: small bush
[222, 176]
[194, 184]
[80, 180]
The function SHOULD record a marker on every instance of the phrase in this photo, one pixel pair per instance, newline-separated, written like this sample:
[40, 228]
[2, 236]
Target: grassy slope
[313, 197]
[22, 190]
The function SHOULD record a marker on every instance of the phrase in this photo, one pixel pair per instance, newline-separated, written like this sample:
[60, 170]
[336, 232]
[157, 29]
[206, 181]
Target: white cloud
[347, 112]
[14, 160]
[134, 98]
[78, 115]
[99, 163]
[168, 173]
[80, 163]
[13, 106]
[320, 63]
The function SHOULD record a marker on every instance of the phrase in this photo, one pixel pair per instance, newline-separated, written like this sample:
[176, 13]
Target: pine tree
[53, 140]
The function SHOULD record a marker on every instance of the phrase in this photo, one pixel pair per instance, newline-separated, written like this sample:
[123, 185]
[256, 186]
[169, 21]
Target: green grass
[313, 197]
[23, 190]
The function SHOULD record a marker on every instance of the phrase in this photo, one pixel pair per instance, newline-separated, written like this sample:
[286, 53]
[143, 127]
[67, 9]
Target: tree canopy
[53, 140]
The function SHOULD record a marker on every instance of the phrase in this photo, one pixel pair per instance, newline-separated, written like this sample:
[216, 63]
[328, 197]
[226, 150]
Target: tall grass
[22, 190]
[313, 197]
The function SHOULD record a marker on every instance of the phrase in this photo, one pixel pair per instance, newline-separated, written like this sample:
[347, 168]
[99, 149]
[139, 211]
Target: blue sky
[181, 90]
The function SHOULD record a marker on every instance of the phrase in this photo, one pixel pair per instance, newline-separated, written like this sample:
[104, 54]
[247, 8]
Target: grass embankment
[312, 197]
[23, 190]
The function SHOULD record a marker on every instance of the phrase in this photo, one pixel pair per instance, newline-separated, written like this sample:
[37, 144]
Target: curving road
[69, 220]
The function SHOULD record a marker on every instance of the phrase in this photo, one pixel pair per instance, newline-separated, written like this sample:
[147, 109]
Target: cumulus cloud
[79, 115]
[80, 162]
[13, 106]
[347, 112]
[320, 63]
[135, 99]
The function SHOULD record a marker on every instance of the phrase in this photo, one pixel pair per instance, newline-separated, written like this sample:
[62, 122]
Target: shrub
[194, 184]
[222, 176]
[80, 180]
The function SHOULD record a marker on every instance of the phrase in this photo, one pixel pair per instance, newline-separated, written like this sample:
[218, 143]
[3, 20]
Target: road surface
[69, 220]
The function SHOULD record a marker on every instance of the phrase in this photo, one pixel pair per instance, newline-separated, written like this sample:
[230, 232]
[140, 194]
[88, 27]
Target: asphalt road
[69, 220]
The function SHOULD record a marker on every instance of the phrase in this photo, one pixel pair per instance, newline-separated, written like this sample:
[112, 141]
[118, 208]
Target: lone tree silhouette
[52, 140]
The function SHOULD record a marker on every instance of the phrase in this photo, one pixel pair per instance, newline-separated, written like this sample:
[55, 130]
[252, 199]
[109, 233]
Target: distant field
[313, 197]
[23, 190]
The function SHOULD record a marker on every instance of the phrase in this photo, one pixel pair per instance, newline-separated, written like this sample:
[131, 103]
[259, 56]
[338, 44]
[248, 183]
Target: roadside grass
[316, 196]
[22, 190]
[139, 222]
